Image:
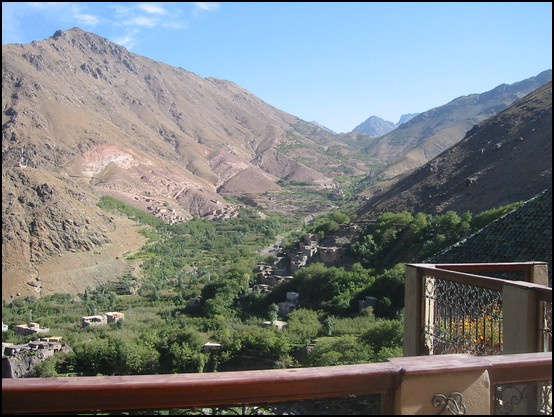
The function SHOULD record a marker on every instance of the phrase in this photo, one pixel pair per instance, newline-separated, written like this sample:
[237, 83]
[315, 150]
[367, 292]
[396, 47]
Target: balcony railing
[450, 309]
[408, 385]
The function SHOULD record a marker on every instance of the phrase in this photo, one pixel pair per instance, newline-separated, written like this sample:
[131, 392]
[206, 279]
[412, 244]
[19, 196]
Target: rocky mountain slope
[127, 124]
[504, 159]
[83, 117]
[428, 134]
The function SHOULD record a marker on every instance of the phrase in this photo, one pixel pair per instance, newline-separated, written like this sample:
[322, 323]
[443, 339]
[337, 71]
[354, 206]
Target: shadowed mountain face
[504, 159]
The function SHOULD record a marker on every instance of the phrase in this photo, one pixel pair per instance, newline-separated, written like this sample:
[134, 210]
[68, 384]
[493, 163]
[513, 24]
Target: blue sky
[334, 63]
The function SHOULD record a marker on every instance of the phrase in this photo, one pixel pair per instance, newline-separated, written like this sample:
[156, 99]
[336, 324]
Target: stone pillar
[539, 274]
[520, 320]
[413, 298]
[445, 384]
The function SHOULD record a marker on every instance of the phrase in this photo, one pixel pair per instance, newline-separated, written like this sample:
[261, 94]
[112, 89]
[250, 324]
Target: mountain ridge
[83, 117]
[429, 133]
[504, 159]
[376, 126]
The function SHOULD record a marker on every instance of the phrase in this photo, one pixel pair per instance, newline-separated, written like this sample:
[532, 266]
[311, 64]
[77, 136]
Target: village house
[30, 328]
[11, 349]
[114, 317]
[44, 344]
[211, 346]
[263, 288]
[277, 323]
[97, 320]
[368, 301]
[194, 302]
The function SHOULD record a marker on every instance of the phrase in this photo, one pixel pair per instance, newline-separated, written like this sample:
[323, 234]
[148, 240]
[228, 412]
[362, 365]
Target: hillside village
[19, 360]
[331, 251]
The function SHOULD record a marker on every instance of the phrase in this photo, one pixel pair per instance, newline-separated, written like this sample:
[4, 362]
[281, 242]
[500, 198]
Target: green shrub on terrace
[488, 216]
[329, 222]
[111, 203]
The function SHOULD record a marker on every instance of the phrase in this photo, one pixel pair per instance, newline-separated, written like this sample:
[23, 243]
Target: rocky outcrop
[21, 360]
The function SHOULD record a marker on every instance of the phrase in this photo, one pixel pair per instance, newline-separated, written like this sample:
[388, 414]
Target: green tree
[302, 326]
[273, 312]
[384, 334]
[345, 350]
[329, 323]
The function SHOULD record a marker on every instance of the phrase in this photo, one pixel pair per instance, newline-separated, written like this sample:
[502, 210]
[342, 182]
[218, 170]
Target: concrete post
[412, 345]
[539, 274]
[444, 384]
[520, 321]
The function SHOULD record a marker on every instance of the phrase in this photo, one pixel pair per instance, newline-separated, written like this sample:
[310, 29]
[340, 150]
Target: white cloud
[68, 11]
[206, 6]
[86, 19]
[152, 8]
[173, 24]
[143, 21]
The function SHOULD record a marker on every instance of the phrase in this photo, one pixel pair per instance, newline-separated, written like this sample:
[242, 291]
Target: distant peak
[59, 33]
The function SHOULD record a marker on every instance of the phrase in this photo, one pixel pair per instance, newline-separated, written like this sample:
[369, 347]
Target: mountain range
[375, 126]
[428, 134]
[504, 159]
[83, 117]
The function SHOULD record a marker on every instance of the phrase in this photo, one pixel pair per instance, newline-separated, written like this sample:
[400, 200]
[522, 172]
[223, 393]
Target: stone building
[30, 328]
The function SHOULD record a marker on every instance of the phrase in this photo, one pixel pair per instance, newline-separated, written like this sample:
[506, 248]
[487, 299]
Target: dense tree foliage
[213, 263]
[402, 237]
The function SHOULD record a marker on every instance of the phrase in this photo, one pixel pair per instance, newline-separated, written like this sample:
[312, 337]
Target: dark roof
[522, 235]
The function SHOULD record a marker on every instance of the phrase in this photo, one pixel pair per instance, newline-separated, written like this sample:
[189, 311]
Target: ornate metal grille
[350, 405]
[534, 398]
[462, 318]
[546, 326]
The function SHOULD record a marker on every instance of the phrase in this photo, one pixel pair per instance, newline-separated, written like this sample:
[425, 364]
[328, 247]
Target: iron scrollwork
[453, 403]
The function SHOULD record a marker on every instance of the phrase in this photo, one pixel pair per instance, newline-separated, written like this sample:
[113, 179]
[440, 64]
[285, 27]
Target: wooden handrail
[70, 394]
[73, 394]
[492, 267]
[521, 367]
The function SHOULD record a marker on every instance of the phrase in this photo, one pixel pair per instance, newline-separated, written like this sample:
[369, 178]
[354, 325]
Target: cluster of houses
[169, 215]
[19, 360]
[223, 213]
[173, 216]
[332, 252]
[44, 345]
